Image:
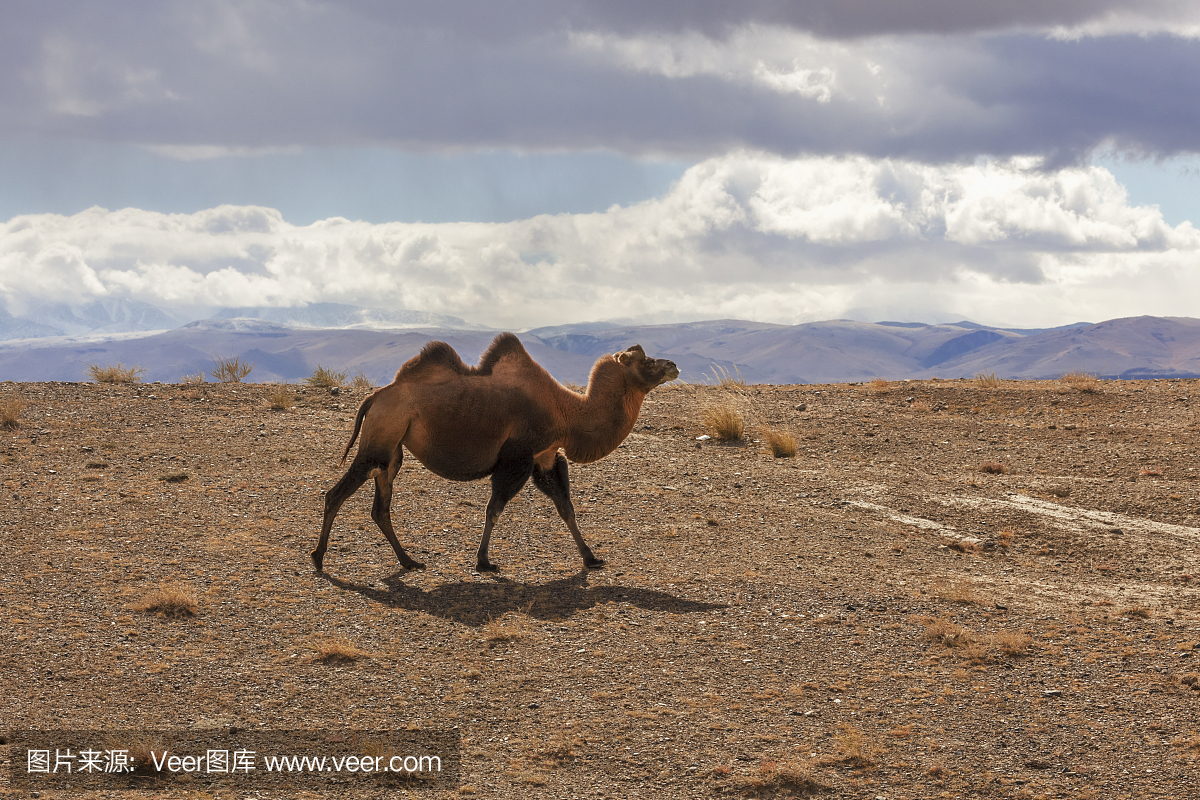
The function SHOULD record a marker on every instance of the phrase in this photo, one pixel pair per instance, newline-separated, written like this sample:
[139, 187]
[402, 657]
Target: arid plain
[954, 589]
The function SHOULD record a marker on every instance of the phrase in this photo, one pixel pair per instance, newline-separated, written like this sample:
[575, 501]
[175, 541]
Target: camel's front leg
[507, 479]
[555, 484]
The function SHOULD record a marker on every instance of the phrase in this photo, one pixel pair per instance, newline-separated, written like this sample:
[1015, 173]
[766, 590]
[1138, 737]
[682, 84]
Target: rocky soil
[952, 590]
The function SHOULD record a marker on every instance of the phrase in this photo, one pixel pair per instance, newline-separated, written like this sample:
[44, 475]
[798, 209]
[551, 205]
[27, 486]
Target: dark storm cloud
[828, 18]
[519, 76]
[852, 18]
[1133, 88]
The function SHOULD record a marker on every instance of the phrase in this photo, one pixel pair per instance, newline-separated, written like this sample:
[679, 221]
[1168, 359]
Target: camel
[507, 418]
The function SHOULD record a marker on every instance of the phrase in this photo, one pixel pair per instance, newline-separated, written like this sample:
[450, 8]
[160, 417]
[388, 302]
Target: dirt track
[876, 617]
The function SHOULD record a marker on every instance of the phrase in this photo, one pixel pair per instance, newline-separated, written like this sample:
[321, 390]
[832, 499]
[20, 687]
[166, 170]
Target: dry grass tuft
[725, 422]
[192, 380]
[877, 386]
[282, 399]
[1082, 382]
[948, 634]
[1011, 643]
[962, 592]
[361, 382]
[791, 776]
[117, 373]
[987, 380]
[174, 477]
[335, 650]
[1139, 612]
[231, 369]
[10, 413]
[1191, 742]
[725, 380]
[560, 748]
[326, 378]
[168, 601]
[508, 628]
[1059, 490]
[782, 444]
[992, 468]
[854, 748]
[1151, 472]
[143, 752]
[974, 648]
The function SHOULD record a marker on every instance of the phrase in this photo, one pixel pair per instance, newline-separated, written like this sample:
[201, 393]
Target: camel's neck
[604, 417]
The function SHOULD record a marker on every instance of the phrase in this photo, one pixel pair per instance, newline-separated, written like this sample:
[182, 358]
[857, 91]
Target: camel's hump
[439, 354]
[504, 345]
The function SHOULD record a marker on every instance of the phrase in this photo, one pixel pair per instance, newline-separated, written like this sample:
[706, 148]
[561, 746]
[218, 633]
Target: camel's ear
[633, 353]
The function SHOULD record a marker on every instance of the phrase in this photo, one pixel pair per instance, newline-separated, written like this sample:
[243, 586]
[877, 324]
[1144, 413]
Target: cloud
[776, 59]
[934, 80]
[202, 152]
[747, 235]
[833, 19]
[930, 98]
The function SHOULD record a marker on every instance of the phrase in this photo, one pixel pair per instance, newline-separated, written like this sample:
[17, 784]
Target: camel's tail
[362, 412]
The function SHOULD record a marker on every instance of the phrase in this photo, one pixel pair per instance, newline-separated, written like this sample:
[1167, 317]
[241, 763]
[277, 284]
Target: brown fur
[507, 418]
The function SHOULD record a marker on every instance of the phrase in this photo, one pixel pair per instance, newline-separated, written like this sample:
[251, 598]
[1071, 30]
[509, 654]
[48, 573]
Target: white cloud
[1173, 17]
[777, 59]
[202, 152]
[745, 235]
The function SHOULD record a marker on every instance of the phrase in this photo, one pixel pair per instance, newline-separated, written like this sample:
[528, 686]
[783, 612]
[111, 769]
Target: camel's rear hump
[439, 356]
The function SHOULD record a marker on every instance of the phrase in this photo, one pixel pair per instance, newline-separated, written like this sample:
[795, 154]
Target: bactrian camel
[507, 418]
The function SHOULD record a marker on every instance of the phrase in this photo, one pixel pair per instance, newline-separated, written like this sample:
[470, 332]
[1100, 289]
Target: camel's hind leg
[381, 510]
[555, 484]
[356, 476]
[510, 475]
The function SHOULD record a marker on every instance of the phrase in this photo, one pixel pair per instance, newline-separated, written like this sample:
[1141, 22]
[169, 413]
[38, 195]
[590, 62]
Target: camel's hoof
[594, 563]
[486, 566]
[413, 565]
[318, 562]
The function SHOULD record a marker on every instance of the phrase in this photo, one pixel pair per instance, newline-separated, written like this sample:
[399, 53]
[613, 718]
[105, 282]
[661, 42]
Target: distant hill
[128, 316]
[278, 352]
[1133, 347]
[815, 352]
[98, 317]
[820, 352]
[339, 315]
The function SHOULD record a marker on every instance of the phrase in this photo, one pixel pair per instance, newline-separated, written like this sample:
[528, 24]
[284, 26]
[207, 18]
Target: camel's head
[646, 372]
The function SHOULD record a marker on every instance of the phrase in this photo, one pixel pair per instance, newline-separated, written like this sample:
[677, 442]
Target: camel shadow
[474, 603]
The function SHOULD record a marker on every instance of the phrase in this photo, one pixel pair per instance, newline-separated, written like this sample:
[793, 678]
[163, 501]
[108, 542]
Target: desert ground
[955, 588]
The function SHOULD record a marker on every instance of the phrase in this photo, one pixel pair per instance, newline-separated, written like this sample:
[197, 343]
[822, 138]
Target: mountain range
[131, 316]
[287, 344]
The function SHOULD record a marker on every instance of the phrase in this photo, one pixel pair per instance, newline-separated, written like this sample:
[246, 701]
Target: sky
[528, 163]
